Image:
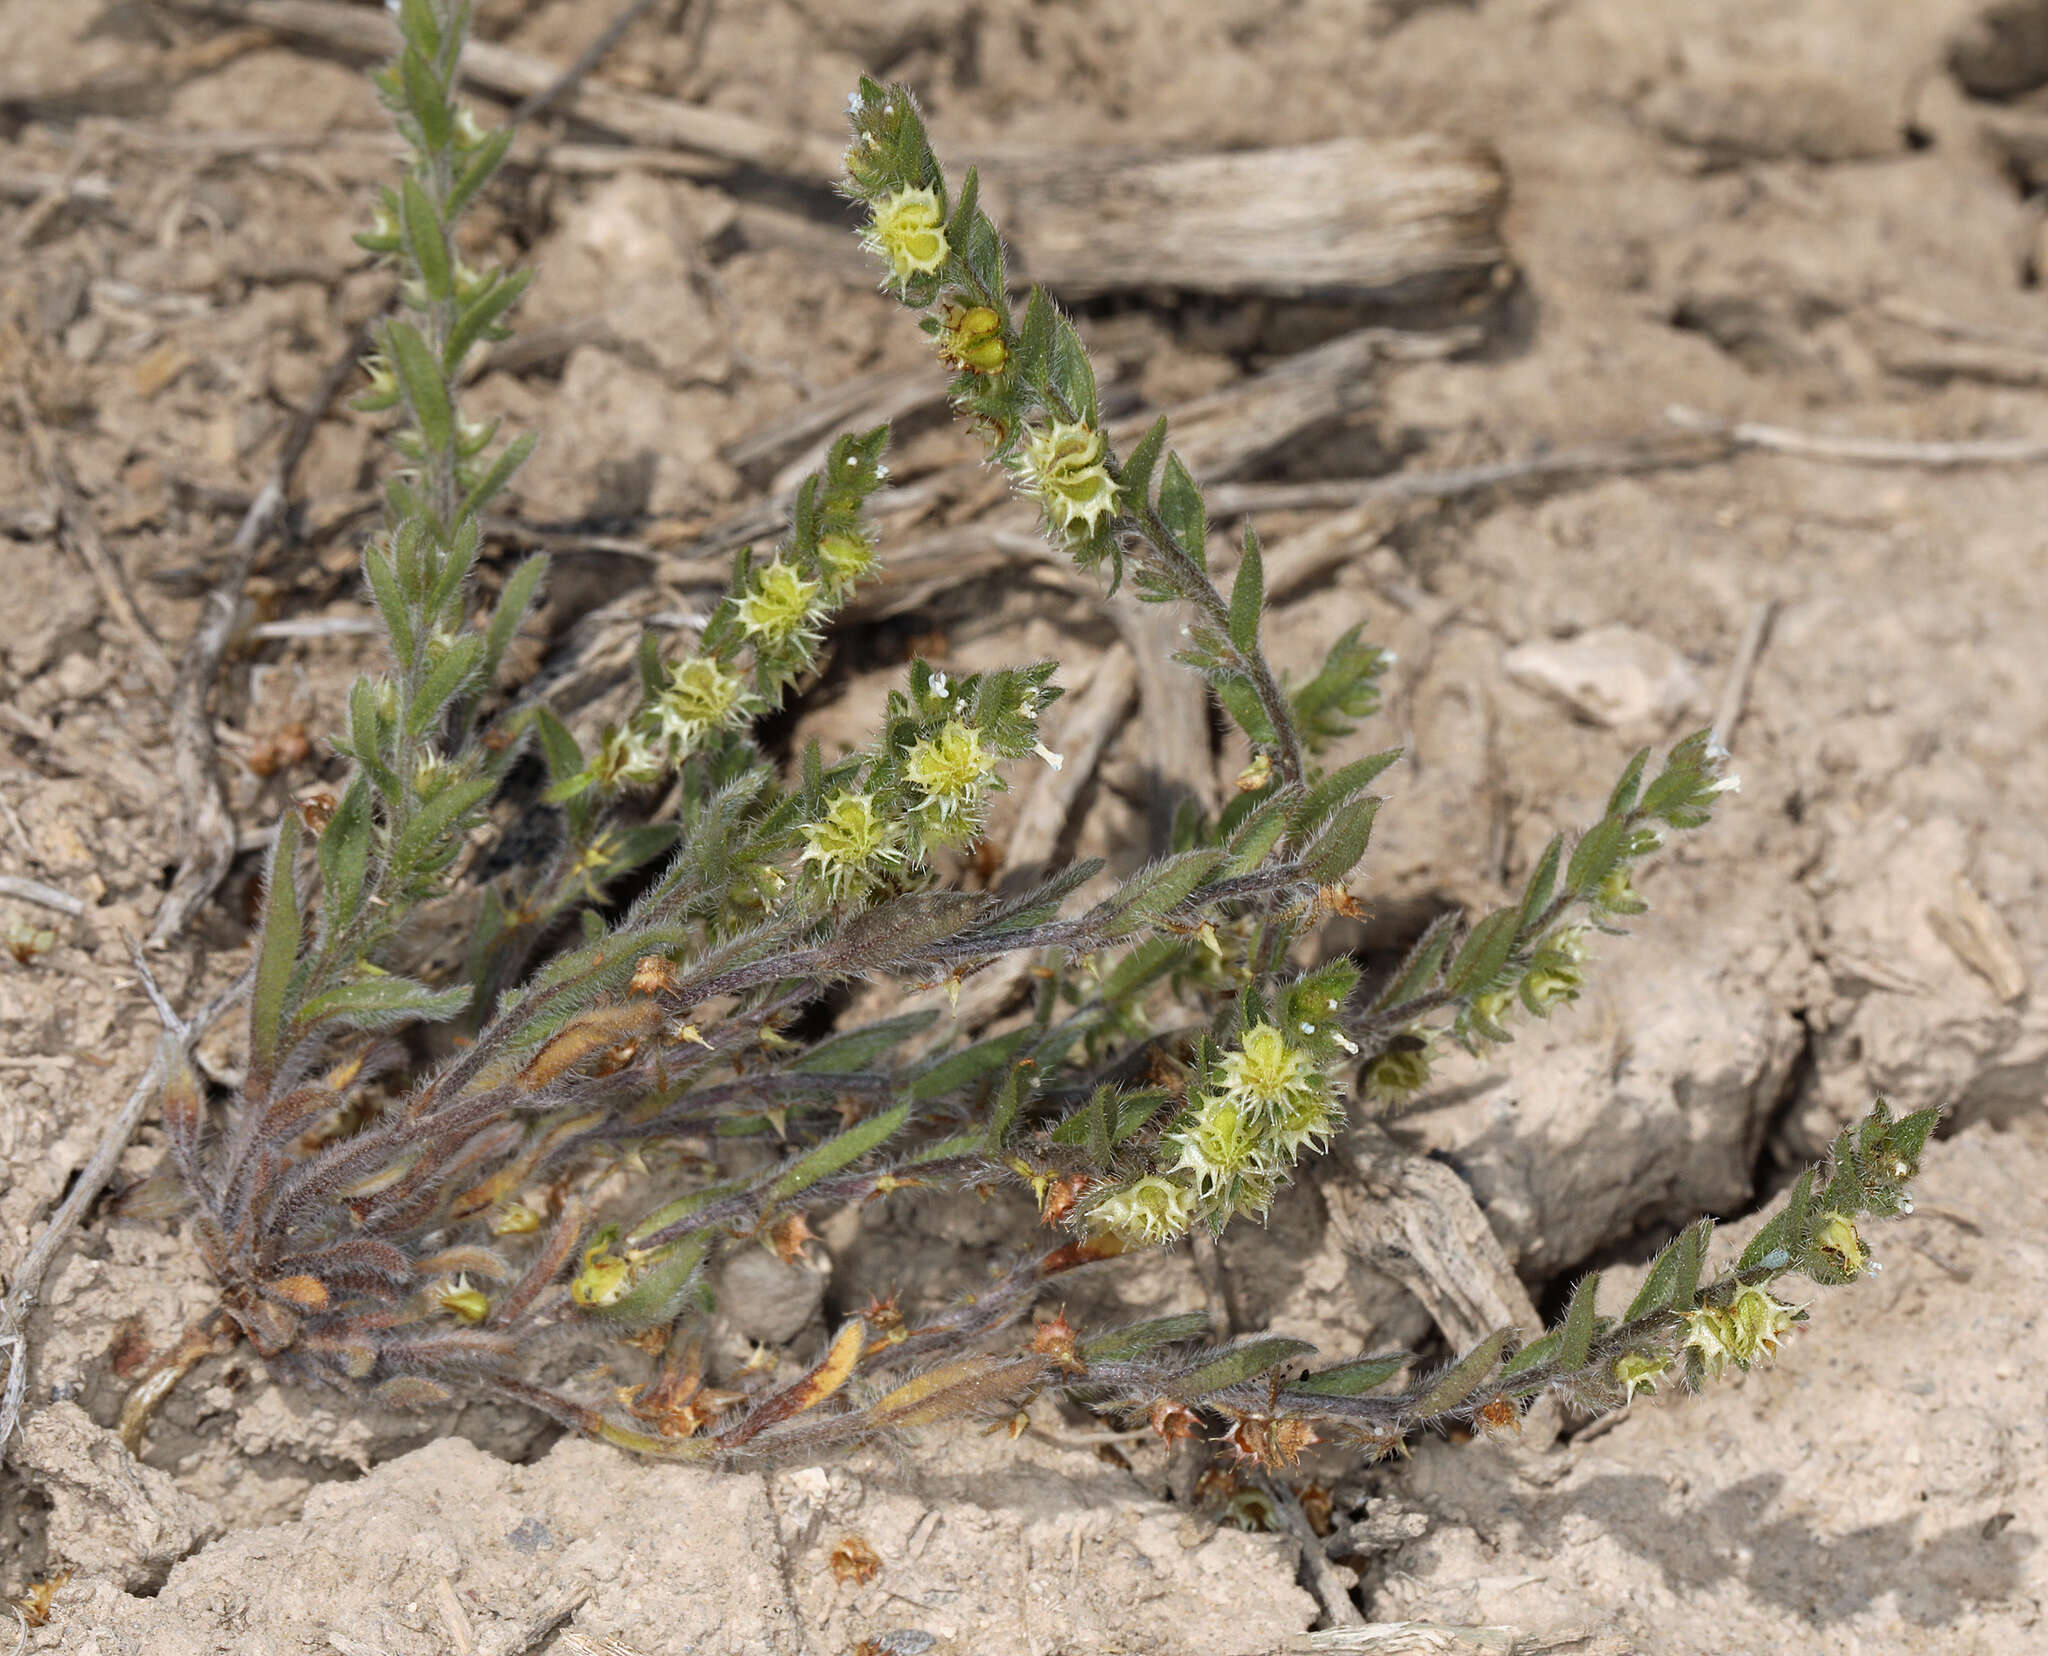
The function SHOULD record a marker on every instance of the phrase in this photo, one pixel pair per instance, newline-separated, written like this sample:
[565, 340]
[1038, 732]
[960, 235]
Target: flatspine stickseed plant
[415, 1237]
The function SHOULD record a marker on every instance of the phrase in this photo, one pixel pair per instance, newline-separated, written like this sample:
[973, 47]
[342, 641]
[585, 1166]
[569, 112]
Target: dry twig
[1736, 696]
[81, 531]
[589, 58]
[507, 73]
[92, 1179]
[209, 830]
[34, 891]
[1320, 1574]
[1863, 451]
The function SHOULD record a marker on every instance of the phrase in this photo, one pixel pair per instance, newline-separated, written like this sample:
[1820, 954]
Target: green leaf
[419, 28]
[1464, 1377]
[969, 1064]
[1623, 799]
[1340, 847]
[420, 378]
[366, 736]
[1260, 832]
[1692, 1254]
[857, 1049]
[1355, 1378]
[435, 817]
[479, 318]
[1674, 1273]
[445, 680]
[1579, 1324]
[1008, 1104]
[278, 955]
[1071, 373]
[1480, 962]
[1145, 963]
[1121, 1344]
[1152, 892]
[1234, 1365]
[391, 604]
[513, 603]
[1336, 788]
[1418, 972]
[1096, 1125]
[1034, 339]
[1597, 855]
[837, 1153]
[1240, 699]
[1533, 1355]
[1769, 1249]
[379, 1002]
[558, 747]
[1909, 1136]
[424, 98]
[1248, 595]
[1136, 478]
[427, 240]
[1345, 689]
[1542, 882]
[487, 159]
[1181, 510]
[344, 857]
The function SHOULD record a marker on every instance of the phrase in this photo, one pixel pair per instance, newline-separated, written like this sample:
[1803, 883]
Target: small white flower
[1727, 784]
[1056, 760]
[1308, 1029]
[939, 686]
[1716, 753]
[1346, 1042]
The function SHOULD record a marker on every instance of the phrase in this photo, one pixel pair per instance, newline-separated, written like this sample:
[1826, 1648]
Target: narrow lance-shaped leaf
[1181, 510]
[840, 1151]
[278, 954]
[1485, 953]
[1122, 1343]
[1464, 1377]
[1355, 1378]
[380, 1002]
[344, 857]
[1236, 1364]
[426, 239]
[420, 377]
[1248, 595]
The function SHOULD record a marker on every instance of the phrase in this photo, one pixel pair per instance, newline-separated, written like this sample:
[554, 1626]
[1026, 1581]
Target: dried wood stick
[208, 828]
[1736, 696]
[1864, 451]
[92, 1179]
[1085, 724]
[82, 531]
[508, 73]
[1322, 1577]
[1406, 220]
[589, 58]
[845, 405]
[1412, 219]
[1415, 1220]
[34, 891]
[1399, 488]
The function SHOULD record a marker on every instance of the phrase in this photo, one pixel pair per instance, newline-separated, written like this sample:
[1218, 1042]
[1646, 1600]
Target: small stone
[769, 1301]
[1613, 676]
[109, 1514]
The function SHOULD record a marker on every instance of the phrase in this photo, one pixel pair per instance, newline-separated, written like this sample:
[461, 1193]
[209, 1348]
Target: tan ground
[1788, 214]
